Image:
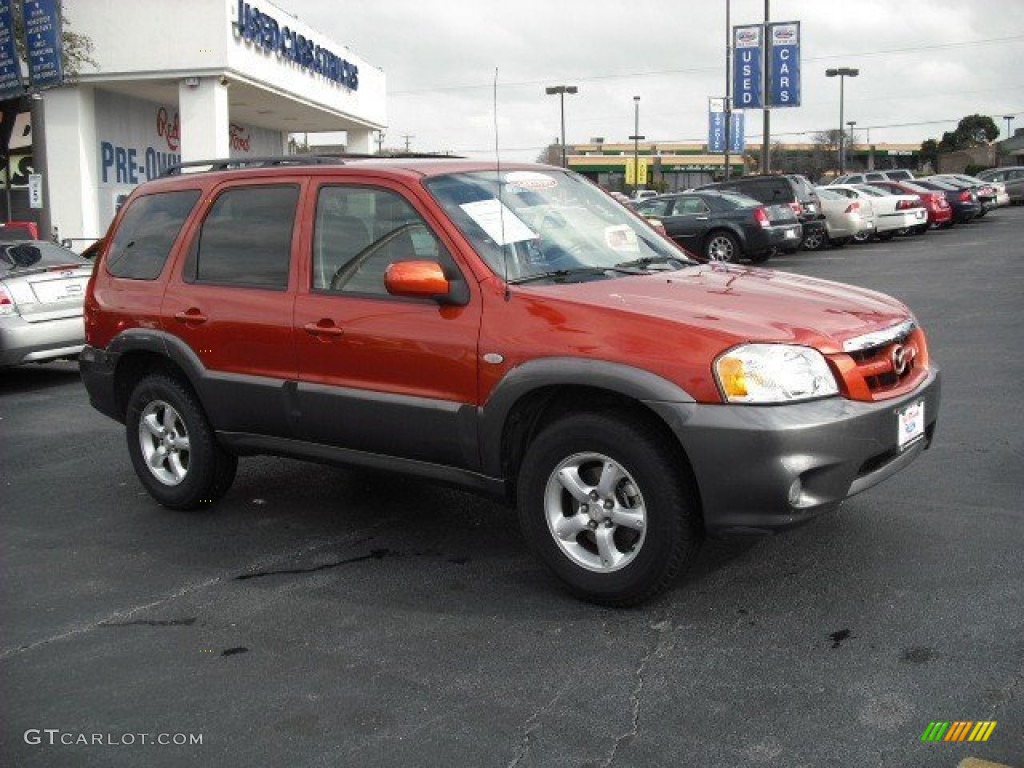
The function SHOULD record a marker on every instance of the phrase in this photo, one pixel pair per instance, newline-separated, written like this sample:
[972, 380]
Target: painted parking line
[973, 762]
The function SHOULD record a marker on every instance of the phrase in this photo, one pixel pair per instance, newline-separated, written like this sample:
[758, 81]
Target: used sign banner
[746, 66]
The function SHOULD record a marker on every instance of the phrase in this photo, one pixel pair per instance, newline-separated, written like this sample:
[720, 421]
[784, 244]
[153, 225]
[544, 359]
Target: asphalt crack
[374, 554]
[662, 628]
[153, 623]
[530, 725]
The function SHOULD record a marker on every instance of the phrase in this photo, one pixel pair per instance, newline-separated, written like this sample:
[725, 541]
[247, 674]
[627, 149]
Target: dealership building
[190, 80]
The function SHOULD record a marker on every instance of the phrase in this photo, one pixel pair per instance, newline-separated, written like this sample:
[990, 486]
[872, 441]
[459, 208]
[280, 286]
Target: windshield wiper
[562, 274]
[647, 261]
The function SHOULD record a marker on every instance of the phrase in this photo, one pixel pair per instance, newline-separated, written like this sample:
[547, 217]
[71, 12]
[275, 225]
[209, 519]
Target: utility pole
[728, 84]
[380, 142]
[766, 139]
[407, 137]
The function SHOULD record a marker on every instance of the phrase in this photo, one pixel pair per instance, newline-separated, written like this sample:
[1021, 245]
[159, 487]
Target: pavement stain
[234, 651]
[373, 554]
[838, 637]
[918, 655]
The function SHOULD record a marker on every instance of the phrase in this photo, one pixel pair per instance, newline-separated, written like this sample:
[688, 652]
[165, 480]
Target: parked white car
[845, 219]
[1001, 198]
[893, 213]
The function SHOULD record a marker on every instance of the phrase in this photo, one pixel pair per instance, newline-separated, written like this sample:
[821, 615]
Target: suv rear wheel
[604, 504]
[172, 446]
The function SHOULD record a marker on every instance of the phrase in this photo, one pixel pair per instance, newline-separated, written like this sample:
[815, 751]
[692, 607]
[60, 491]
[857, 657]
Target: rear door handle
[192, 315]
[325, 327]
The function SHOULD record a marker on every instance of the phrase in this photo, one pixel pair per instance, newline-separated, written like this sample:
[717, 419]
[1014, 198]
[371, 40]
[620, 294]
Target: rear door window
[246, 238]
[146, 233]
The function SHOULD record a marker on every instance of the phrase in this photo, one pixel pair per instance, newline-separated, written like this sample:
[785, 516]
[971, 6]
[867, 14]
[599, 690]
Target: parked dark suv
[511, 330]
[787, 189]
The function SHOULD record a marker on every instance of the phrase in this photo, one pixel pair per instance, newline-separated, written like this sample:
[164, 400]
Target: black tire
[839, 242]
[721, 246]
[864, 236]
[814, 240]
[647, 482]
[190, 470]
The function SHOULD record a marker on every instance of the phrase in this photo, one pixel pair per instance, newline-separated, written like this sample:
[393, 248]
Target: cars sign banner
[746, 66]
[784, 64]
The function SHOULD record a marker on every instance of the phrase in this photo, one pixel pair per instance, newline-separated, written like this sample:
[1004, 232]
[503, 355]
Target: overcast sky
[923, 64]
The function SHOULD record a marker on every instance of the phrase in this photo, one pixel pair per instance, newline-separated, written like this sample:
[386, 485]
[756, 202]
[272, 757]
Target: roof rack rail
[227, 163]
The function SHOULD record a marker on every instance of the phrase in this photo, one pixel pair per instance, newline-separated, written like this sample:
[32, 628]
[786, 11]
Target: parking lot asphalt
[327, 617]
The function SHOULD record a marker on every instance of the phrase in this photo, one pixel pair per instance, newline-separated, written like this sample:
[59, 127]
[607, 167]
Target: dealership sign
[766, 65]
[43, 43]
[261, 29]
[717, 117]
[716, 126]
[11, 85]
[784, 64]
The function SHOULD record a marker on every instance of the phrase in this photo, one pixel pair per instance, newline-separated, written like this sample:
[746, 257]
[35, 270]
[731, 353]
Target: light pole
[636, 137]
[851, 123]
[561, 90]
[842, 73]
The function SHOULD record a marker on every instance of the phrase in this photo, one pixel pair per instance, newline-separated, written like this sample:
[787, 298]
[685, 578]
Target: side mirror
[417, 279]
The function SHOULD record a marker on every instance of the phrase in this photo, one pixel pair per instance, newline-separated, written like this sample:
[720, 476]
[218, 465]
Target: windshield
[550, 222]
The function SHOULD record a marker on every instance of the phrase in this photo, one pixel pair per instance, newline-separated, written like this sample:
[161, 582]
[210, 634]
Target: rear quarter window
[146, 233]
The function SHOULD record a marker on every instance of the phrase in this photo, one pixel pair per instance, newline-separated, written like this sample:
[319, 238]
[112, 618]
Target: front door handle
[192, 316]
[325, 327]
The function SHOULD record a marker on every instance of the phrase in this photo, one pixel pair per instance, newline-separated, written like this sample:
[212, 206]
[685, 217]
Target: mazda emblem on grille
[901, 359]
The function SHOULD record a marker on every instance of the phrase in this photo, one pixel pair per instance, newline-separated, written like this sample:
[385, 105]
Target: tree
[975, 131]
[930, 153]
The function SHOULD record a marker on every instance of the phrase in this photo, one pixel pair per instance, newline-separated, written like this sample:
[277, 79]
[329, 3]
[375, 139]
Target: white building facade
[186, 81]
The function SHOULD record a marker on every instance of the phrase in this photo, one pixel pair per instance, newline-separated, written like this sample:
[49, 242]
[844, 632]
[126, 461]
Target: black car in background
[789, 189]
[724, 226]
[963, 200]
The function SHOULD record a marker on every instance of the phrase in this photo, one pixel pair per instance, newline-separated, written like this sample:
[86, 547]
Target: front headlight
[773, 373]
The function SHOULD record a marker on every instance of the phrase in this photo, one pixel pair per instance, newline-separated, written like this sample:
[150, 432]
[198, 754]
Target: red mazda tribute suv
[509, 329]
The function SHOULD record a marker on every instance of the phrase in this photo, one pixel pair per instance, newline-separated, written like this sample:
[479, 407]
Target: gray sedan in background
[42, 287]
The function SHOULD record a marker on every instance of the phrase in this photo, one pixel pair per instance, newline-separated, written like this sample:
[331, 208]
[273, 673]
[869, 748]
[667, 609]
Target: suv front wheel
[607, 507]
[172, 446]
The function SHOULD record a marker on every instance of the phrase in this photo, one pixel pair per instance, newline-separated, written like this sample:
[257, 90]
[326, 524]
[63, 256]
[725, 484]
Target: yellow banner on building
[636, 170]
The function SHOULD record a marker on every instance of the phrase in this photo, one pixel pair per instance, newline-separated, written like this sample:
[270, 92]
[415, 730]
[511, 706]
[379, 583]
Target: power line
[691, 70]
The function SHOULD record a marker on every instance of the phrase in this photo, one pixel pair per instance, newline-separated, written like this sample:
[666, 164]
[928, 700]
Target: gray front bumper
[746, 459]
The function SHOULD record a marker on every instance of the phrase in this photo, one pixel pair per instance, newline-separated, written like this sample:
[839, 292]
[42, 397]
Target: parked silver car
[1012, 177]
[845, 219]
[42, 288]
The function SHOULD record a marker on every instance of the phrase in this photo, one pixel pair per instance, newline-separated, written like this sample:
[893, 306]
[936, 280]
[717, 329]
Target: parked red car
[939, 211]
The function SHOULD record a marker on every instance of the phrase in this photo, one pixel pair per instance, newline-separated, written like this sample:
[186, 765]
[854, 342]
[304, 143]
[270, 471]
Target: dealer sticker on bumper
[911, 424]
